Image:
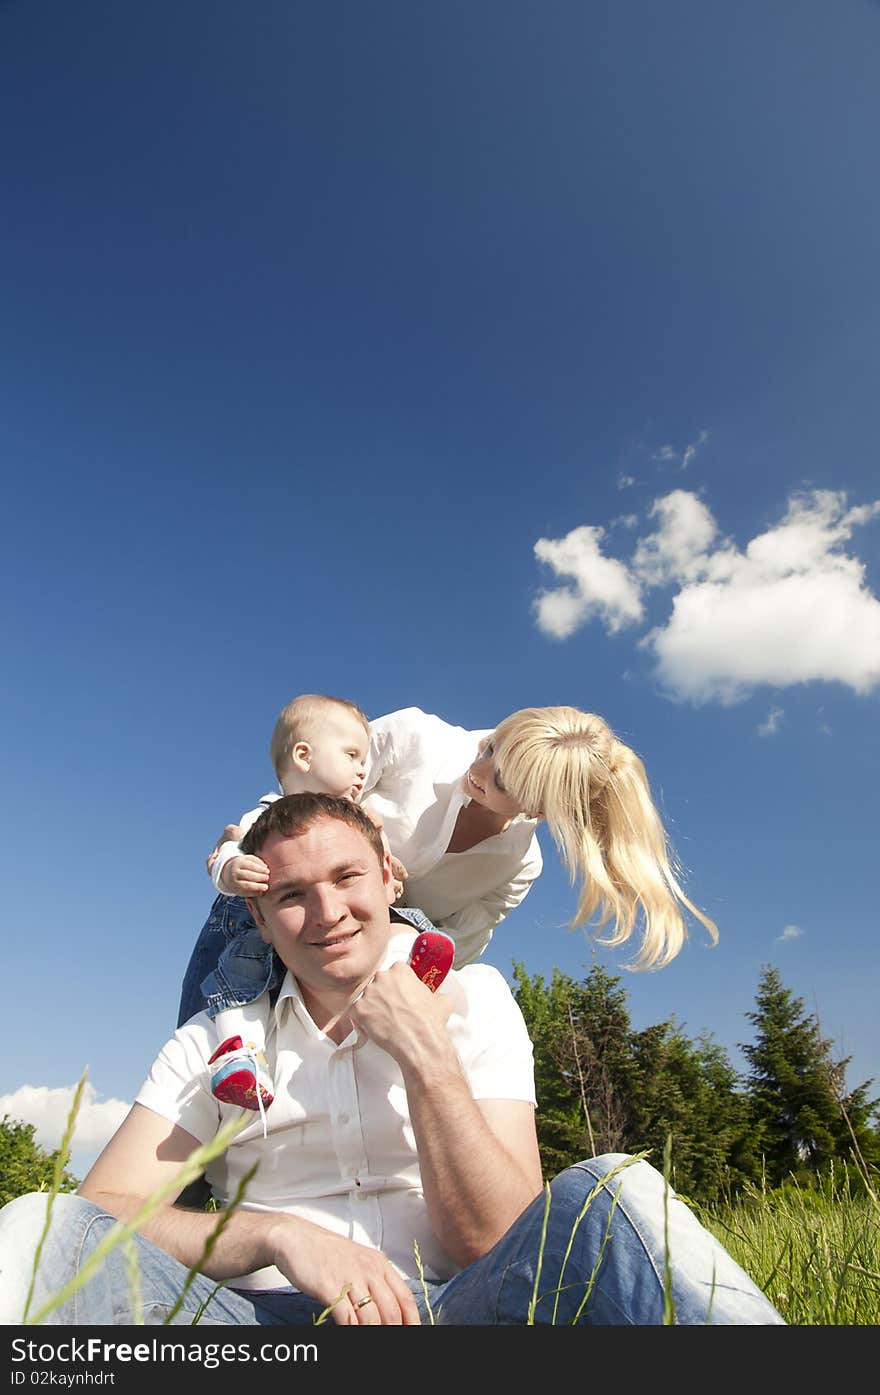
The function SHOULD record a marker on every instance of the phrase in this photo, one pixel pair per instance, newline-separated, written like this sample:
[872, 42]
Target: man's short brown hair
[296, 813]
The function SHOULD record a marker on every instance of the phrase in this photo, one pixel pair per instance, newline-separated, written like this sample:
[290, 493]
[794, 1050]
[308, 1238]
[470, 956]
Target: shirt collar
[399, 945]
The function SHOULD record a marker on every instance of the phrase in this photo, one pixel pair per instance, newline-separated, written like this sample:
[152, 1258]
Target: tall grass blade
[224, 1217]
[133, 1278]
[668, 1300]
[533, 1301]
[591, 1282]
[61, 1158]
[420, 1267]
[613, 1172]
[190, 1170]
[325, 1313]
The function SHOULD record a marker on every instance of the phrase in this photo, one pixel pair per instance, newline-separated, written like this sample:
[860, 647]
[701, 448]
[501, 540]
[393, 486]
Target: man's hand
[231, 834]
[405, 1018]
[245, 876]
[322, 1264]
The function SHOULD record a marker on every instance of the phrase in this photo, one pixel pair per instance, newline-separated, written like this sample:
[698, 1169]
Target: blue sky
[468, 356]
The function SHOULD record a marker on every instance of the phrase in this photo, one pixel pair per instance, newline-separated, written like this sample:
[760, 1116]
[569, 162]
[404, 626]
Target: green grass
[814, 1251]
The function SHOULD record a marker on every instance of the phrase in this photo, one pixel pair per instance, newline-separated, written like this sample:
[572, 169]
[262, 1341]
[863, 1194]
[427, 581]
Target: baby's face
[338, 756]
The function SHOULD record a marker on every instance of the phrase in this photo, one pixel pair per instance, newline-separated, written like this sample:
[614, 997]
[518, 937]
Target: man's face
[326, 910]
[337, 756]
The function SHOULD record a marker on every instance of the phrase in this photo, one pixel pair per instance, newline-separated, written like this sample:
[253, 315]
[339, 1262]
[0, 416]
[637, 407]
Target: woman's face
[484, 786]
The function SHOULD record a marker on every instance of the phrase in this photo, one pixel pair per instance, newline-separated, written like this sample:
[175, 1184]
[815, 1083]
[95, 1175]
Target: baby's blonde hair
[569, 767]
[297, 721]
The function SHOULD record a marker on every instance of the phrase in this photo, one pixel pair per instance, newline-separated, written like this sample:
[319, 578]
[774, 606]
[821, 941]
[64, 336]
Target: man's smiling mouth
[337, 940]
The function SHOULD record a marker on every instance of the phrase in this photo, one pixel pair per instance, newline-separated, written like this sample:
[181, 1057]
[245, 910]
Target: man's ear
[388, 877]
[301, 757]
[259, 919]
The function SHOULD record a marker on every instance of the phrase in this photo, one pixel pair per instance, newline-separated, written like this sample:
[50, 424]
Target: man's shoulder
[488, 994]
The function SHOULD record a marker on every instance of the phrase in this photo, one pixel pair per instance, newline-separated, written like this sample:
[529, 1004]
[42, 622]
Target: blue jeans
[621, 1236]
[231, 963]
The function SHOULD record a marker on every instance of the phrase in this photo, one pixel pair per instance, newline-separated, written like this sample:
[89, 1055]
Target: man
[401, 1138]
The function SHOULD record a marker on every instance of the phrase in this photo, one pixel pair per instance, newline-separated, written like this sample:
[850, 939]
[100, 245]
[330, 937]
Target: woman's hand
[398, 871]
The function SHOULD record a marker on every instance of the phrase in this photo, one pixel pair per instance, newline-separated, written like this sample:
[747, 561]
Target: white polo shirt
[340, 1149]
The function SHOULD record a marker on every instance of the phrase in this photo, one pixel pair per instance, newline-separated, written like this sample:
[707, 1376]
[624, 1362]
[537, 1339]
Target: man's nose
[326, 905]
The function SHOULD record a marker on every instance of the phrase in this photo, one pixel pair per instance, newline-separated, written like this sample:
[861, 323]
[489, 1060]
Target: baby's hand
[231, 834]
[245, 876]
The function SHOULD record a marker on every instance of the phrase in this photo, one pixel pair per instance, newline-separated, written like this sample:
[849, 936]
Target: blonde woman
[460, 810]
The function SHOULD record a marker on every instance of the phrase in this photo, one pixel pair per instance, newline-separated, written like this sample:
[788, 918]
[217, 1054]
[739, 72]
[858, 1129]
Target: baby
[319, 745]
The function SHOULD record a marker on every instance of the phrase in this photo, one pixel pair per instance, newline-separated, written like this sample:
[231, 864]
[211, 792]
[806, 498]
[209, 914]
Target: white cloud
[691, 450]
[48, 1110]
[625, 481]
[791, 932]
[686, 530]
[792, 607]
[771, 726]
[602, 586]
[666, 455]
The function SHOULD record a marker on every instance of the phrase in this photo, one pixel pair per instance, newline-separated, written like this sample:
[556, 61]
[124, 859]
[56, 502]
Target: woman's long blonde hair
[568, 767]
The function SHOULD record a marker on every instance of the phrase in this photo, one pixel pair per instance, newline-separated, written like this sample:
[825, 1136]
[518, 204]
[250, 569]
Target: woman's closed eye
[488, 754]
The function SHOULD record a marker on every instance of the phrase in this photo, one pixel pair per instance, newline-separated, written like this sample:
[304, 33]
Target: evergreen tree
[796, 1089]
[560, 1120]
[688, 1089]
[598, 1046]
[602, 1087]
[24, 1165]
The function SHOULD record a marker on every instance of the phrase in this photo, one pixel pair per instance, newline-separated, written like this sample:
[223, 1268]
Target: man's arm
[479, 1160]
[147, 1151]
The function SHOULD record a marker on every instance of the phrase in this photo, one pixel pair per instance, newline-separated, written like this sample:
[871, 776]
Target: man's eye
[349, 876]
[291, 896]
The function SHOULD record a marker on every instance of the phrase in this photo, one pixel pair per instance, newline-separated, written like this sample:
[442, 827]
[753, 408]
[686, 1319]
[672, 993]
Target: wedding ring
[362, 1302]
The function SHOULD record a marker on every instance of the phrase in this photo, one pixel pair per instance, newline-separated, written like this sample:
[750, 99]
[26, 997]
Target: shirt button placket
[345, 1123]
